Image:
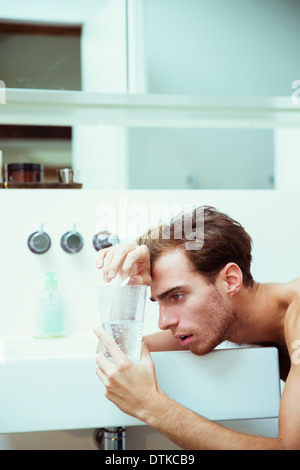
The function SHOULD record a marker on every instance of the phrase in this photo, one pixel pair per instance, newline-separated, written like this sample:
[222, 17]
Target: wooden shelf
[41, 185]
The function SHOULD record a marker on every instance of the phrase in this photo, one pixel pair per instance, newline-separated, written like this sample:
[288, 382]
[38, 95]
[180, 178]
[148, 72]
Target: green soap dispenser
[50, 315]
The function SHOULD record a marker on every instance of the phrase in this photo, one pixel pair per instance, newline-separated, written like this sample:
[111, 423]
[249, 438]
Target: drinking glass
[122, 311]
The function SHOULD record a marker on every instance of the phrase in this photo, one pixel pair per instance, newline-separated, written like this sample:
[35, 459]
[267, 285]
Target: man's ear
[232, 278]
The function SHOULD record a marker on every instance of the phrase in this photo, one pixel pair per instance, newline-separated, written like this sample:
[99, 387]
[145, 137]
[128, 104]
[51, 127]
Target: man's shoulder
[289, 294]
[292, 320]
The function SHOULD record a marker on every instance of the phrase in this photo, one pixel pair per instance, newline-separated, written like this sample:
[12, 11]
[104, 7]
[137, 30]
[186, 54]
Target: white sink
[26, 348]
[52, 385]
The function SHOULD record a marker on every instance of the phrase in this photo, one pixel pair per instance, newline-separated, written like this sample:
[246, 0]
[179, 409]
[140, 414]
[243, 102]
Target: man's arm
[162, 341]
[134, 389]
[197, 433]
[289, 416]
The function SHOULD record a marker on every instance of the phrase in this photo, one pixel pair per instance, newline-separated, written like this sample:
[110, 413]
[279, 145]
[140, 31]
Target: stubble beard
[220, 324]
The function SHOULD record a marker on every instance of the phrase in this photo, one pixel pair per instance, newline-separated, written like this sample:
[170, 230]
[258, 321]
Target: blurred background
[231, 48]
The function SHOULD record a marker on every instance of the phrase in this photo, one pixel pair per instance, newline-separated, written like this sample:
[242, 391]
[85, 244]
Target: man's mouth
[185, 340]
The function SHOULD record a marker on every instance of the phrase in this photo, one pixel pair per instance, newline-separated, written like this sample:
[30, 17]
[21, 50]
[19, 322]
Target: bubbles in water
[128, 336]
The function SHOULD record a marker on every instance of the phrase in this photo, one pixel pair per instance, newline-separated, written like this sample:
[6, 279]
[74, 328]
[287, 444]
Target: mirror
[200, 159]
[221, 48]
[40, 56]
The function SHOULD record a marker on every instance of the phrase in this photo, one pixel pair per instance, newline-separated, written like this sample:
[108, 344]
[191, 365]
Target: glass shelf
[70, 108]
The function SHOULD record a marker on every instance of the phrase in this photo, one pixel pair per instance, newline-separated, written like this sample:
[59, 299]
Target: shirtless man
[205, 296]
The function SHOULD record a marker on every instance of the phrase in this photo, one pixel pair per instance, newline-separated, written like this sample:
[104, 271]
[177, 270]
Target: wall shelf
[70, 108]
[47, 185]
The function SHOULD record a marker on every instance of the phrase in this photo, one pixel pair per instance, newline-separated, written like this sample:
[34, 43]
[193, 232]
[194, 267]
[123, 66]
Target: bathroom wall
[266, 215]
[128, 214]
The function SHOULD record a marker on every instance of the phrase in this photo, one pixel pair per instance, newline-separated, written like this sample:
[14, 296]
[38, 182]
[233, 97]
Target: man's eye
[176, 297]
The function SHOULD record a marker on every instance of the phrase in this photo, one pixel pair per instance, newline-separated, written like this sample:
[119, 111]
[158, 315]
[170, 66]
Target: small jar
[24, 173]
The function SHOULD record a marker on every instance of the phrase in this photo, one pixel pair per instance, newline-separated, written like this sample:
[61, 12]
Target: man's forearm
[191, 431]
[133, 388]
[162, 341]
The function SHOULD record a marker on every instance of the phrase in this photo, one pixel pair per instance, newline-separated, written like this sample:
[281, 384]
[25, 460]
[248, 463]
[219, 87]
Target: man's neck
[261, 312]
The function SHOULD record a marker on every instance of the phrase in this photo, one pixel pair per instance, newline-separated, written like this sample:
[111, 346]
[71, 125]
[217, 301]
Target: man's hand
[133, 388]
[128, 260]
[130, 386]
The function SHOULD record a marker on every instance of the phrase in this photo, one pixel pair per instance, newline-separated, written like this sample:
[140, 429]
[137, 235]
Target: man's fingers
[145, 353]
[101, 375]
[139, 254]
[110, 344]
[111, 259]
[104, 363]
[119, 257]
[143, 280]
[108, 272]
[100, 257]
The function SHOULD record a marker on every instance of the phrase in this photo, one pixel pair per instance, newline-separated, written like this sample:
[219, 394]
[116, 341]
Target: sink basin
[27, 348]
[52, 385]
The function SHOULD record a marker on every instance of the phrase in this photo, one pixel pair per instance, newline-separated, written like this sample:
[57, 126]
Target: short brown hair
[225, 241]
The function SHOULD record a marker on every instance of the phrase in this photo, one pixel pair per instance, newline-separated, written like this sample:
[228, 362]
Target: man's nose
[166, 318]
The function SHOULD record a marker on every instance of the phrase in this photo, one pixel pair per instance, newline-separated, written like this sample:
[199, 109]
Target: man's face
[192, 309]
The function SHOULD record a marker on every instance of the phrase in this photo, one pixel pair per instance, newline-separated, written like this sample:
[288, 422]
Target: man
[205, 296]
